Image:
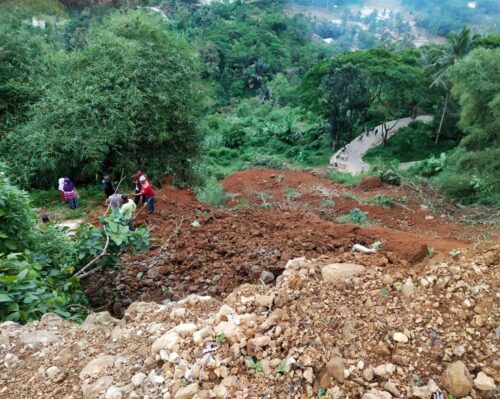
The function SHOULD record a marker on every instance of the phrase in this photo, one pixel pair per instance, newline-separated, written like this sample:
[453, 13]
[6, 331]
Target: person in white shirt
[61, 188]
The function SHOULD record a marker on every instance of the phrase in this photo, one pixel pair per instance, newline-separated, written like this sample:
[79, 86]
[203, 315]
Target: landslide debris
[320, 331]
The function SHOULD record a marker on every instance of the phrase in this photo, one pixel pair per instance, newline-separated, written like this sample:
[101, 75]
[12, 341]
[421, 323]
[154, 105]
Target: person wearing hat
[135, 179]
[148, 194]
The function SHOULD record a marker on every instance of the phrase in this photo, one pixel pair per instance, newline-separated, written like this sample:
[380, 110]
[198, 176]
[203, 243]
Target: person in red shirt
[148, 194]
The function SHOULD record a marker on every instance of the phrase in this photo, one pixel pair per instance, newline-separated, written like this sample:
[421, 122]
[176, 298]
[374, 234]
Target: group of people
[143, 189]
[117, 202]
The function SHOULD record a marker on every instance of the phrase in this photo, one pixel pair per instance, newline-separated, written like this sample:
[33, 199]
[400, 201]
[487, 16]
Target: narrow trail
[351, 159]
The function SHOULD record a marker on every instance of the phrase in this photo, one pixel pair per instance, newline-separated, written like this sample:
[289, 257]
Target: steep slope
[368, 330]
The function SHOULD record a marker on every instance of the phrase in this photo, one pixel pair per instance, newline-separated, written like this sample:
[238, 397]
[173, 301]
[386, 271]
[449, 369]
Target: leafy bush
[382, 200]
[211, 193]
[388, 173]
[429, 167]
[265, 161]
[235, 137]
[355, 216]
[41, 266]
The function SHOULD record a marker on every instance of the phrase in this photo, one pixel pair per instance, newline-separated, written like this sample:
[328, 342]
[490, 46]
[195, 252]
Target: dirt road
[351, 158]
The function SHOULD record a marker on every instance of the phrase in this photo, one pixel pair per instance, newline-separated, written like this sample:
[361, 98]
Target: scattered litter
[363, 249]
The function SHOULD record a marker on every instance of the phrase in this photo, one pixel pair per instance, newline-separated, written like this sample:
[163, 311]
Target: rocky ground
[357, 328]
[223, 307]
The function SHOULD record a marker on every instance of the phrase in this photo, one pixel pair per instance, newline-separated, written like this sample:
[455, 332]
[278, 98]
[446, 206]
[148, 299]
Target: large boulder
[457, 379]
[339, 271]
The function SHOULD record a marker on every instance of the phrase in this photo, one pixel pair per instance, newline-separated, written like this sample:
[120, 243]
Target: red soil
[234, 245]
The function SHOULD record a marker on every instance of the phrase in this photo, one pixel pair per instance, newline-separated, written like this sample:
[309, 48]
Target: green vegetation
[115, 104]
[221, 338]
[254, 365]
[210, 90]
[211, 193]
[355, 216]
[345, 178]
[416, 142]
[385, 201]
[41, 266]
[472, 171]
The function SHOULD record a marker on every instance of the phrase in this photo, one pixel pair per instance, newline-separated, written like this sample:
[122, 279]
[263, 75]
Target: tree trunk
[334, 134]
[442, 116]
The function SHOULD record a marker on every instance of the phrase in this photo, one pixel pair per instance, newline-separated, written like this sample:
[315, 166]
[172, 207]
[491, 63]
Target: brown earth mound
[201, 250]
[369, 183]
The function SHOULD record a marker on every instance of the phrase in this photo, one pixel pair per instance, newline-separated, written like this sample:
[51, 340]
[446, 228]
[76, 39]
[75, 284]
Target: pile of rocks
[322, 331]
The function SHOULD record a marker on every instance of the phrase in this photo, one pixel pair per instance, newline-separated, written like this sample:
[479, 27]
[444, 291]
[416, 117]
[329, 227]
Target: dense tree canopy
[127, 100]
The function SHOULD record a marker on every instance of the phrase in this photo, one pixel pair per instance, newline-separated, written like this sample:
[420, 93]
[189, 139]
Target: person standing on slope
[61, 188]
[127, 210]
[107, 184]
[70, 193]
[136, 179]
[148, 194]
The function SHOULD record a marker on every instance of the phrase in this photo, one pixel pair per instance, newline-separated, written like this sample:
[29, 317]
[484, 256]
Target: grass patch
[349, 196]
[414, 142]
[48, 202]
[385, 201]
[345, 178]
[211, 193]
[292, 194]
[328, 203]
[355, 216]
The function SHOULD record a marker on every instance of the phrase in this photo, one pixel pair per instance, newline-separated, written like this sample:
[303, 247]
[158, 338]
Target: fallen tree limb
[174, 232]
[404, 206]
[82, 272]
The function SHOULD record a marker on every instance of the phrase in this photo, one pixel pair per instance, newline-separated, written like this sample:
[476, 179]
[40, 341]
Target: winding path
[351, 158]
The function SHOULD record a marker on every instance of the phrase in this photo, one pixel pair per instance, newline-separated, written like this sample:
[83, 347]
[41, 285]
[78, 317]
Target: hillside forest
[200, 91]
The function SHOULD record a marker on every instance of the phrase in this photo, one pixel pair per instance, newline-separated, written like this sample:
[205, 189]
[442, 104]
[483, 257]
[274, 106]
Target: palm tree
[442, 58]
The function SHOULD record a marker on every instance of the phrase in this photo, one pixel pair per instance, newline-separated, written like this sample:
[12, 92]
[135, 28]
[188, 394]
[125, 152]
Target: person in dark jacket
[107, 184]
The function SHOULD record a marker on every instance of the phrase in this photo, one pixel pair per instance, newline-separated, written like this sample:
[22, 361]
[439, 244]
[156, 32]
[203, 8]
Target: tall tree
[130, 99]
[442, 58]
[346, 96]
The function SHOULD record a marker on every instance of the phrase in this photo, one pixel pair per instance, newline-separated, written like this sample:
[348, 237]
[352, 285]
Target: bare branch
[174, 232]
[81, 273]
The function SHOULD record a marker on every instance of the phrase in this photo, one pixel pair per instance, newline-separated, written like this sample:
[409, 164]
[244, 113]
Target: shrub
[388, 173]
[211, 193]
[345, 178]
[355, 216]
[292, 194]
[265, 161]
[38, 262]
[385, 201]
[234, 137]
[429, 167]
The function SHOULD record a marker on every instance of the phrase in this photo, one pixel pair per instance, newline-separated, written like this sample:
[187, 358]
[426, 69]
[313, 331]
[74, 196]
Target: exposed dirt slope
[215, 251]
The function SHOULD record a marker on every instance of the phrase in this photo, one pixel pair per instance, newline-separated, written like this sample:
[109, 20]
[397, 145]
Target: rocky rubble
[322, 330]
